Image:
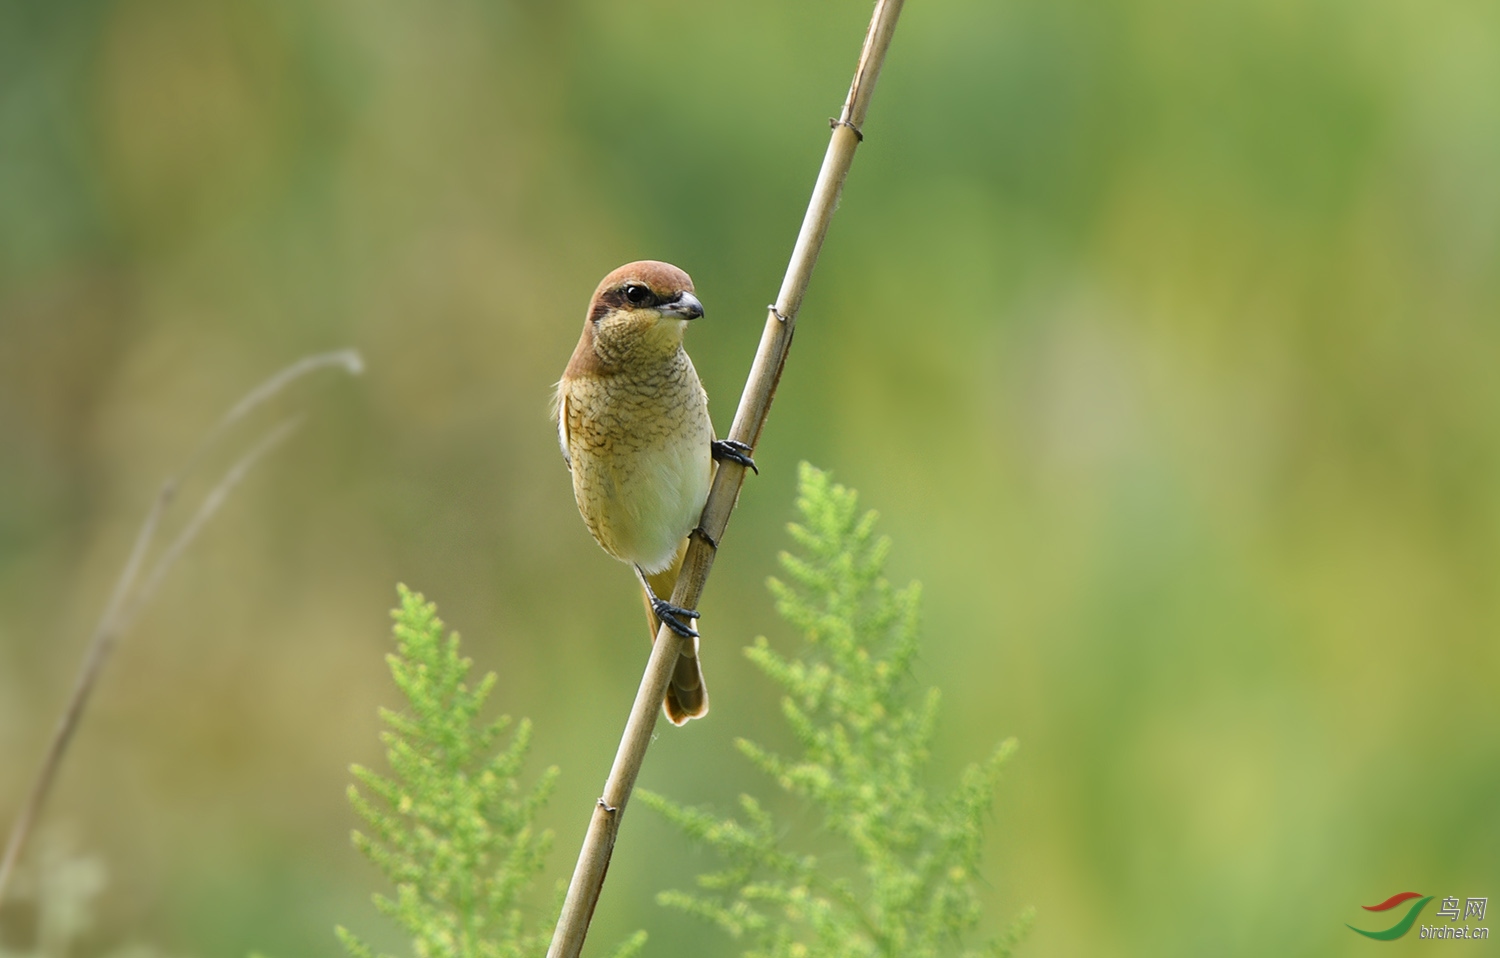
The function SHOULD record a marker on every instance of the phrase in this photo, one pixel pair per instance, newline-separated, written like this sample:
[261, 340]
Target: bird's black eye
[637, 294]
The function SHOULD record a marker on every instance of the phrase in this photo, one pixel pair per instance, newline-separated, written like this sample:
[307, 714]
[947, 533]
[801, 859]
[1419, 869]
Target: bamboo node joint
[608, 808]
[782, 318]
[713, 543]
[835, 122]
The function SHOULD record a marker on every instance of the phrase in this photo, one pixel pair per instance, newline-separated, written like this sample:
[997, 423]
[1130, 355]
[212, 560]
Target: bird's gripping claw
[670, 615]
[734, 451]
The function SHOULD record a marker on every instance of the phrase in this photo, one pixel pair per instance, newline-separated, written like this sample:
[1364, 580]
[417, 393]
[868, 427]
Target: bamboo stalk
[749, 420]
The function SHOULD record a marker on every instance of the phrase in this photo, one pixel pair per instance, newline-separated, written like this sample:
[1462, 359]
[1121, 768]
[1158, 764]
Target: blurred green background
[1162, 334]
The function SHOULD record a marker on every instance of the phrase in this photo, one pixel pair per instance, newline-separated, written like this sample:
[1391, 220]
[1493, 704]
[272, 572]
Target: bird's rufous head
[640, 311]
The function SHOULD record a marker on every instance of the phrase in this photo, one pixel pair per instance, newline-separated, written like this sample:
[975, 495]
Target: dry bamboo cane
[749, 419]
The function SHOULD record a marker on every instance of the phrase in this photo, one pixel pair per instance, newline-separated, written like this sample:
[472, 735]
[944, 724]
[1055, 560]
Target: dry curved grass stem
[132, 592]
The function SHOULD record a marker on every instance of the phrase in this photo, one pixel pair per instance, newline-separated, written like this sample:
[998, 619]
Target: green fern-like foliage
[864, 737]
[451, 827]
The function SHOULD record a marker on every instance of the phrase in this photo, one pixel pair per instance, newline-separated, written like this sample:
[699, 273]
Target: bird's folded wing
[563, 439]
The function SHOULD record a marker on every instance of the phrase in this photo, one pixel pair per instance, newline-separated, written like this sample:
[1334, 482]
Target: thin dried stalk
[749, 419]
[127, 600]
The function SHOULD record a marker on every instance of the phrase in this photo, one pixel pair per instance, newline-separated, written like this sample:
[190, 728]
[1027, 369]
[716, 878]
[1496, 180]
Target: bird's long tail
[687, 696]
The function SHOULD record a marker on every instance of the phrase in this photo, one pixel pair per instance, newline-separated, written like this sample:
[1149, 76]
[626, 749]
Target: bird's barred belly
[642, 465]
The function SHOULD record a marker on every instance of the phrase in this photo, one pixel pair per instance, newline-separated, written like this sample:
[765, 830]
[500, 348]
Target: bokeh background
[1163, 335]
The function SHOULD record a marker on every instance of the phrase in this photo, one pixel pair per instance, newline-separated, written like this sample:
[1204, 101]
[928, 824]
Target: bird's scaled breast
[641, 459]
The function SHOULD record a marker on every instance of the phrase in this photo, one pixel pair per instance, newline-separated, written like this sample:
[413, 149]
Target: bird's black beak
[685, 306]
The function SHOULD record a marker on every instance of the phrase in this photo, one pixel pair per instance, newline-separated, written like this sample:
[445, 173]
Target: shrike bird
[632, 419]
